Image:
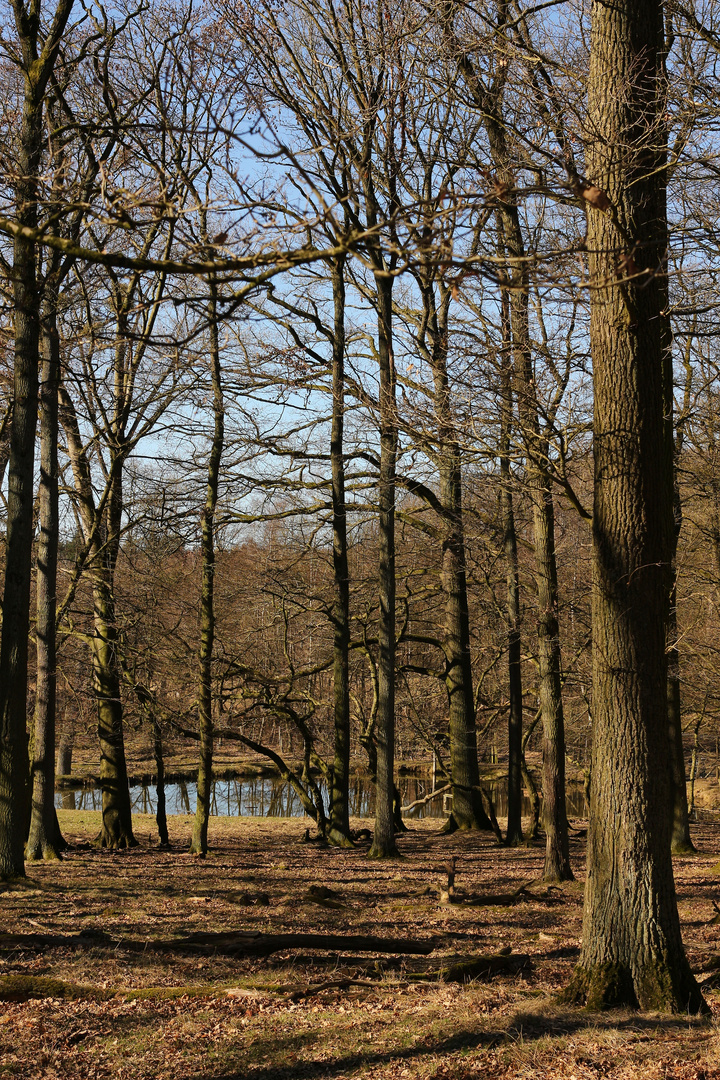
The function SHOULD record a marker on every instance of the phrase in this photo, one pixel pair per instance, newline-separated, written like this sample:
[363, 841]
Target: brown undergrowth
[142, 1011]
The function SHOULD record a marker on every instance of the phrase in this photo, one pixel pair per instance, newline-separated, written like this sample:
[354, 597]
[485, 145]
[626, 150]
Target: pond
[270, 797]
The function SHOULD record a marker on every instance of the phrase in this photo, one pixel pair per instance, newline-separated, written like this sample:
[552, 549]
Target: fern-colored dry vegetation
[116, 1001]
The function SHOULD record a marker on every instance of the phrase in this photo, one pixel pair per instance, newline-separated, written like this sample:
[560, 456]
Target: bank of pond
[262, 796]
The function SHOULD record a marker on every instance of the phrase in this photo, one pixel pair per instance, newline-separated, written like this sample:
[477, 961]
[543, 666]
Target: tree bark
[339, 827]
[632, 952]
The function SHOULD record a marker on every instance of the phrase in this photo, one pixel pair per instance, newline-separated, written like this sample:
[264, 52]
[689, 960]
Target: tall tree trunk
[468, 811]
[207, 595]
[339, 830]
[632, 952]
[514, 833]
[516, 339]
[37, 59]
[557, 844]
[44, 841]
[384, 845]
[557, 851]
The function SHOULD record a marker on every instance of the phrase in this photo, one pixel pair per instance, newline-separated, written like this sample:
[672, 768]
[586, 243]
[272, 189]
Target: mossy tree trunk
[632, 952]
[199, 842]
[339, 826]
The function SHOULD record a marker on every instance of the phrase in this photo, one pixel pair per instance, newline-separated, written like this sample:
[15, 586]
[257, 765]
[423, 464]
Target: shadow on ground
[525, 1026]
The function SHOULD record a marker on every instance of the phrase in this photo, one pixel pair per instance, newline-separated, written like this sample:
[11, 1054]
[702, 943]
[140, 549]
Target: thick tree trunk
[384, 845]
[632, 951]
[44, 841]
[198, 845]
[339, 829]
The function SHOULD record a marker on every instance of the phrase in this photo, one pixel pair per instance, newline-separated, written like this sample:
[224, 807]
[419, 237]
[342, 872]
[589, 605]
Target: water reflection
[268, 797]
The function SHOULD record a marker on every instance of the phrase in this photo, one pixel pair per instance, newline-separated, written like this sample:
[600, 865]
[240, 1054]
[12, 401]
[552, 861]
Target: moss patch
[603, 986]
[26, 987]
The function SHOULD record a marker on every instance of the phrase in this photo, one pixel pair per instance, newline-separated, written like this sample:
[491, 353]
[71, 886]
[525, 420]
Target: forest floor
[126, 1006]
